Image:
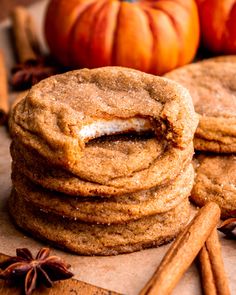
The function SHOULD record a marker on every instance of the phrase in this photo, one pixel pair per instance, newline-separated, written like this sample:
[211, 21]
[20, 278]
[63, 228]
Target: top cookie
[212, 86]
[62, 113]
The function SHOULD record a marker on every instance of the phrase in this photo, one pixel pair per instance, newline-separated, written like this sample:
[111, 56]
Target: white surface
[124, 273]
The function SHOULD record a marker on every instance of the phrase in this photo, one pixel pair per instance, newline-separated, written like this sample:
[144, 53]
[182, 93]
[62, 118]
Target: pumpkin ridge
[90, 53]
[177, 31]
[213, 16]
[224, 36]
[134, 39]
[179, 3]
[148, 21]
[82, 34]
[102, 37]
[169, 62]
[147, 12]
[114, 46]
[52, 31]
[71, 35]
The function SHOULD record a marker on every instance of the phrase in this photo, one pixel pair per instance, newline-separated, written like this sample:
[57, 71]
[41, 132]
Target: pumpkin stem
[131, 1]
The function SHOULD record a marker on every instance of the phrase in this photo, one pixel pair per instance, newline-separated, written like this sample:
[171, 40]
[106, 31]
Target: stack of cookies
[212, 85]
[102, 160]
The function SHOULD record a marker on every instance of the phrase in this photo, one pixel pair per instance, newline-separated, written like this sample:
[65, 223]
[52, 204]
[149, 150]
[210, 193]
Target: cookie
[87, 239]
[212, 86]
[64, 112]
[111, 157]
[216, 181]
[222, 58]
[54, 178]
[102, 160]
[106, 210]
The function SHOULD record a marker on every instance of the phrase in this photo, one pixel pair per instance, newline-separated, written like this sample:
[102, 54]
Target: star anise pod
[228, 227]
[31, 72]
[43, 269]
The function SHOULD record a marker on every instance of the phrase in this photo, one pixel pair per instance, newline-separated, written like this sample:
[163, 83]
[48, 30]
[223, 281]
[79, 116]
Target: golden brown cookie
[64, 112]
[107, 210]
[222, 58]
[112, 157]
[87, 239]
[215, 181]
[212, 86]
[36, 168]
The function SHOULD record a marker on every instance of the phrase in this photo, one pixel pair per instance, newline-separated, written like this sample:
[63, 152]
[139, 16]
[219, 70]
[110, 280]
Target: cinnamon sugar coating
[212, 85]
[98, 239]
[102, 160]
[107, 210]
[42, 172]
[215, 181]
[52, 116]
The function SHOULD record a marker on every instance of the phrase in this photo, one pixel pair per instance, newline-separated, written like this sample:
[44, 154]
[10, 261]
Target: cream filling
[116, 126]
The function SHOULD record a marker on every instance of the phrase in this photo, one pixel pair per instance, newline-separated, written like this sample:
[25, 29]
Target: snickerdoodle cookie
[99, 239]
[215, 181]
[52, 177]
[212, 86]
[107, 210]
[64, 112]
[102, 160]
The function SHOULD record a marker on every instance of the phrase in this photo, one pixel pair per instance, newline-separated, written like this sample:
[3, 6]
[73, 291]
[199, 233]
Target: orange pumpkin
[218, 25]
[154, 36]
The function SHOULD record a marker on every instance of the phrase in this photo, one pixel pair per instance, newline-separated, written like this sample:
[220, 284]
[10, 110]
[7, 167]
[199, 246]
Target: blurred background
[7, 5]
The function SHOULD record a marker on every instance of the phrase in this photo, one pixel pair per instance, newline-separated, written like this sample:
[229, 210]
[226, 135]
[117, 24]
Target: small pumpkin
[218, 25]
[154, 36]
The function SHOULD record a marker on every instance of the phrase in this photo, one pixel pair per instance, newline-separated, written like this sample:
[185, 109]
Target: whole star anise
[43, 269]
[228, 227]
[31, 72]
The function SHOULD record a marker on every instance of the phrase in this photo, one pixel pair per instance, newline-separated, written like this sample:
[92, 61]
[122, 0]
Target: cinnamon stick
[228, 227]
[4, 107]
[214, 280]
[25, 37]
[32, 66]
[183, 251]
[208, 283]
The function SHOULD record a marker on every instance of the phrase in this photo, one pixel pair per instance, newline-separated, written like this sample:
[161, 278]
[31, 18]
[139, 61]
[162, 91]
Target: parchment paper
[123, 273]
